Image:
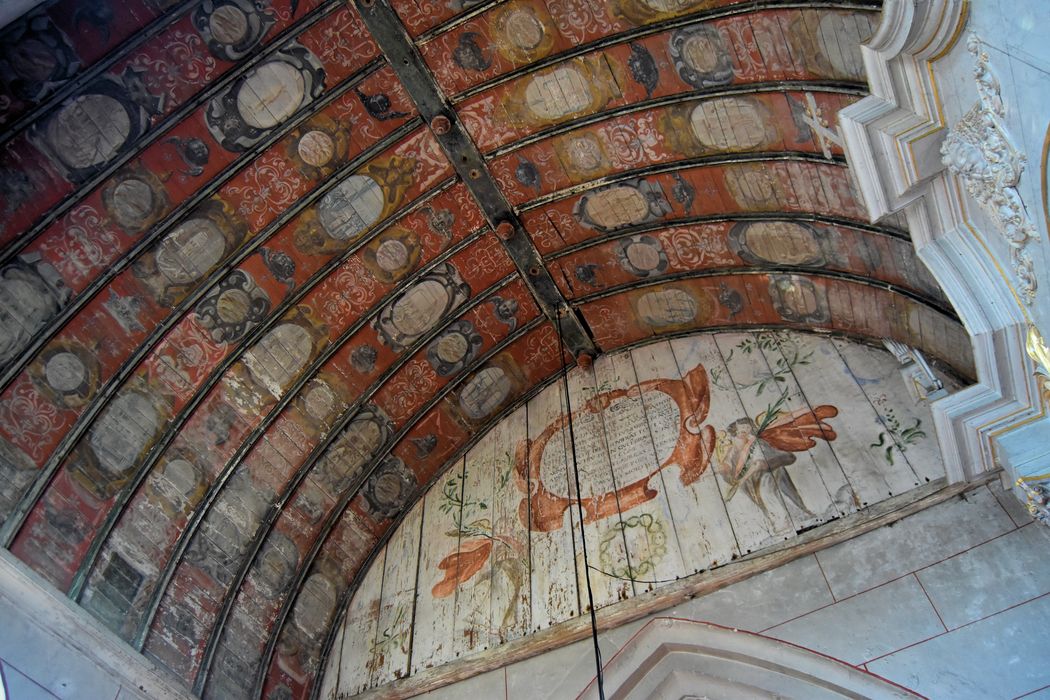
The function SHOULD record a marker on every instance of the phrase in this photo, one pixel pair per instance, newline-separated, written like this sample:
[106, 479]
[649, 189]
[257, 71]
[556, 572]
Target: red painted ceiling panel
[251, 309]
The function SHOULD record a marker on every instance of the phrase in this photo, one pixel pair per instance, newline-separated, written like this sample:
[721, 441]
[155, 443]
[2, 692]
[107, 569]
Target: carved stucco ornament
[1037, 487]
[980, 152]
[1036, 348]
[1037, 492]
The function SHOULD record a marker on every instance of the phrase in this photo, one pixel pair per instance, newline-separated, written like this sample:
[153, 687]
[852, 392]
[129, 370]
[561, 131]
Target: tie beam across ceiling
[388, 32]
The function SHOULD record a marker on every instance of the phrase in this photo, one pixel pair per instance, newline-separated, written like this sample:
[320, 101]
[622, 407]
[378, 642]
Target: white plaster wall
[895, 149]
[953, 602]
[49, 648]
[1015, 34]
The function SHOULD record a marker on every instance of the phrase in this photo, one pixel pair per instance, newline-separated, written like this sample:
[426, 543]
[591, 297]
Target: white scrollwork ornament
[980, 152]
[1040, 354]
[1037, 491]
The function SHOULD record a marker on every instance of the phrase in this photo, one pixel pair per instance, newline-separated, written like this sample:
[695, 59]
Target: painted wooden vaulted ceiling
[268, 265]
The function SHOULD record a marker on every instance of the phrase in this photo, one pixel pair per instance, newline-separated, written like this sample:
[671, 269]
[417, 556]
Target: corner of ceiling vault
[263, 276]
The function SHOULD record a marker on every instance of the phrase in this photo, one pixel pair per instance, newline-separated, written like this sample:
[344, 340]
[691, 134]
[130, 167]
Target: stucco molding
[980, 152]
[893, 140]
[893, 136]
[680, 658]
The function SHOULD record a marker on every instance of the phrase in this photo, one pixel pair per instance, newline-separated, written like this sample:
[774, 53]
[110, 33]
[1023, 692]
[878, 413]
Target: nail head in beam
[441, 125]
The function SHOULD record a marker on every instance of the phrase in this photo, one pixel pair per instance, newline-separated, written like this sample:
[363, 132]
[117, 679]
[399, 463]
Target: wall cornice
[893, 139]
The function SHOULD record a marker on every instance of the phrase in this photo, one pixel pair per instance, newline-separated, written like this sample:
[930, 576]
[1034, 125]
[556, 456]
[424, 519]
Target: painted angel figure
[750, 450]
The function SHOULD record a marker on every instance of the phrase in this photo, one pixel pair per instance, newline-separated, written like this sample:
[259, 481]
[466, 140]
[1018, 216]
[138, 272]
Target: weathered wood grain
[786, 424]
[648, 530]
[598, 482]
[359, 631]
[828, 381]
[879, 515]
[433, 622]
[470, 622]
[510, 611]
[393, 640]
[554, 595]
[909, 426]
[705, 533]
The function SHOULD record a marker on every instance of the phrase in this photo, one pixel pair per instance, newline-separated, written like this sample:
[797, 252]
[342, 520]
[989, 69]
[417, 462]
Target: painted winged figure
[750, 450]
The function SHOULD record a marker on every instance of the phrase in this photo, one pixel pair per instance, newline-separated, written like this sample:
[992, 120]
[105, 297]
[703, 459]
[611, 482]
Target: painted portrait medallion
[321, 403]
[388, 488]
[275, 567]
[719, 125]
[231, 28]
[700, 56]
[670, 307]
[454, 349]
[67, 372]
[314, 606]
[243, 114]
[116, 443]
[523, 35]
[489, 389]
[582, 155]
[641, 256]
[36, 57]
[351, 207]
[392, 255]
[135, 198]
[191, 250]
[104, 121]
[420, 307]
[624, 204]
[233, 307]
[318, 147]
[798, 299]
[277, 358]
[558, 93]
[177, 484]
[731, 123]
[31, 293]
[230, 523]
[777, 243]
[572, 88]
[345, 460]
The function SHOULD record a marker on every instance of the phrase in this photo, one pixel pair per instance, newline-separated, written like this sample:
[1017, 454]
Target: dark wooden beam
[388, 32]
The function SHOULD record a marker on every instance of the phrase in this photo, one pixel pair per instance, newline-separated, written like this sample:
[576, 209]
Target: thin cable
[603, 572]
[579, 505]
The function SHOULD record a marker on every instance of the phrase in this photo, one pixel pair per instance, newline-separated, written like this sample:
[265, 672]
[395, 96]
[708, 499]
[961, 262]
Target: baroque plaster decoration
[1037, 491]
[981, 153]
[1036, 348]
[893, 140]
[922, 383]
